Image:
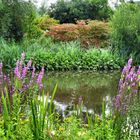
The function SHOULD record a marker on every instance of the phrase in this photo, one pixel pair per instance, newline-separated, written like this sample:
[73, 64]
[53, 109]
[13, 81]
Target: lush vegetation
[27, 112]
[59, 56]
[73, 10]
[125, 33]
[82, 43]
[16, 19]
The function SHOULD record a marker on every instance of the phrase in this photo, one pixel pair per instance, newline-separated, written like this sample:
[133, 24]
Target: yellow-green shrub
[45, 22]
[35, 32]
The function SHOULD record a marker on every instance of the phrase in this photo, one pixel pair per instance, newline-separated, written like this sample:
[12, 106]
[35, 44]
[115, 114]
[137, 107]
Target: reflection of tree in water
[93, 88]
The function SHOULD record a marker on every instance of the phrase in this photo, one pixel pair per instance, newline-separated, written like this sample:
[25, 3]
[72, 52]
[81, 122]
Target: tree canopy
[15, 18]
[73, 10]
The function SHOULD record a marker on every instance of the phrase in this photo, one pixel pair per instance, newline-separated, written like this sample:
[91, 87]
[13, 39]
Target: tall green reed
[41, 114]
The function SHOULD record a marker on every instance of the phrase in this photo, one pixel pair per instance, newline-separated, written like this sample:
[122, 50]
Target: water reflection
[92, 87]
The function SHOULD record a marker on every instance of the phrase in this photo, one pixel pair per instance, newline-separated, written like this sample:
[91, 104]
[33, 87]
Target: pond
[92, 87]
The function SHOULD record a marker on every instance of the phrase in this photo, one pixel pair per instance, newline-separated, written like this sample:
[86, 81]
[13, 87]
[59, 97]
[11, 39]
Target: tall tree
[70, 11]
[15, 18]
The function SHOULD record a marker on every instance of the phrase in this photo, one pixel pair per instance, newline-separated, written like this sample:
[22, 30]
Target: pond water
[92, 87]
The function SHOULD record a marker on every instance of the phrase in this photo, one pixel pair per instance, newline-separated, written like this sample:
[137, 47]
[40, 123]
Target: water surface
[92, 87]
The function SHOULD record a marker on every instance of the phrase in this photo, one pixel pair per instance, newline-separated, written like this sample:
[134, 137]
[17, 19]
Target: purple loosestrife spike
[124, 71]
[128, 87]
[24, 72]
[16, 71]
[33, 73]
[117, 102]
[130, 61]
[1, 66]
[138, 71]
[21, 61]
[133, 84]
[23, 56]
[29, 64]
[40, 77]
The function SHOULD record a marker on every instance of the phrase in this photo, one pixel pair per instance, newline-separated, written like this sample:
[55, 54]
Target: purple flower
[16, 71]
[33, 73]
[24, 72]
[29, 64]
[128, 87]
[40, 77]
[130, 62]
[23, 56]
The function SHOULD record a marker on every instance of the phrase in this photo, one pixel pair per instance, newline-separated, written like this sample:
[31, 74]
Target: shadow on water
[92, 87]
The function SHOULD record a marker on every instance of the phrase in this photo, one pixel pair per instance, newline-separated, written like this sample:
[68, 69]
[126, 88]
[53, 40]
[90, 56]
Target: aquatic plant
[126, 104]
[21, 79]
[128, 87]
[58, 56]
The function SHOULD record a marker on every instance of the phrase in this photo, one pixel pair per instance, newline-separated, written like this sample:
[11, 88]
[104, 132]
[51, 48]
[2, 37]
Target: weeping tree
[15, 18]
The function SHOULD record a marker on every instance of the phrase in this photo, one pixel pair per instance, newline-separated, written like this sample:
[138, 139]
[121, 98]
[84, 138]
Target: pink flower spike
[40, 77]
[24, 72]
[29, 63]
[33, 73]
[22, 56]
[16, 71]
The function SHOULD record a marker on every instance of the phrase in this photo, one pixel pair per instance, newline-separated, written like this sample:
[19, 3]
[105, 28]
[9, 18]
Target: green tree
[126, 31]
[15, 19]
[73, 10]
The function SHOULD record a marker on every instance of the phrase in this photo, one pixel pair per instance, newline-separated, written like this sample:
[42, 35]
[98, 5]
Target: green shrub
[45, 22]
[126, 31]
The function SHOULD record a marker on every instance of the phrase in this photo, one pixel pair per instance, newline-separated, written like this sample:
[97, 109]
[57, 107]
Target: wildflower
[16, 71]
[40, 77]
[23, 56]
[81, 133]
[129, 82]
[29, 63]
[33, 73]
[53, 132]
[24, 72]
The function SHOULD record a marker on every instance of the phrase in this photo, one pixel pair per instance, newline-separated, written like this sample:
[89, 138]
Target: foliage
[126, 31]
[16, 19]
[36, 117]
[61, 56]
[45, 22]
[73, 10]
[88, 32]
[126, 103]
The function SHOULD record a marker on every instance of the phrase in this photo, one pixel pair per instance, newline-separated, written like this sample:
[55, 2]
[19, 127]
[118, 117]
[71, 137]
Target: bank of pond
[72, 105]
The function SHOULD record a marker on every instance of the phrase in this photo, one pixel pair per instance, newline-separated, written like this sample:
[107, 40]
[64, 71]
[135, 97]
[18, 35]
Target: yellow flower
[61, 129]
[81, 133]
